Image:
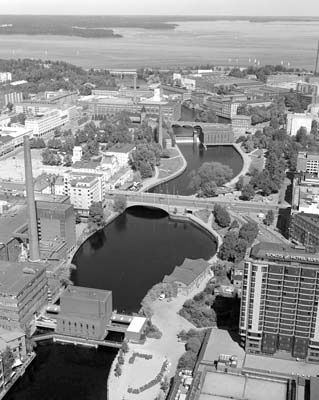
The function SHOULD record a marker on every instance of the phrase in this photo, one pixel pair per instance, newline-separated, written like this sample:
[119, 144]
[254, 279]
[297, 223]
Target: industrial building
[84, 312]
[47, 122]
[279, 307]
[12, 138]
[23, 292]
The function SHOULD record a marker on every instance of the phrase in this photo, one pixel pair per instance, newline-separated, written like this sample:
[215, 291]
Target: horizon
[160, 15]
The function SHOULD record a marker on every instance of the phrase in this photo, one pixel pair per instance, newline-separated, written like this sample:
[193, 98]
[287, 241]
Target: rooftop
[10, 222]
[284, 253]
[80, 293]
[47, 205]
[85, 164]
[187, 272]
[15, 276]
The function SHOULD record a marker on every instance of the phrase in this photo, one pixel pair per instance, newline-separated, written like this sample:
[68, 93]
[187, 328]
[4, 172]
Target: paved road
[158, 199]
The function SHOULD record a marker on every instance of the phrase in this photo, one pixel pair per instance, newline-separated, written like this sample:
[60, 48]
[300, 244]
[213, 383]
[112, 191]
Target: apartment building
[308, 163]
[83, 189]
[23, 292]
[122, 153]
[279, 307]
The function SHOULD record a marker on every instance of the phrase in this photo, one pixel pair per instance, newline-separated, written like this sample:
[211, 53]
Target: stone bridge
[209, 133]
[172, 203]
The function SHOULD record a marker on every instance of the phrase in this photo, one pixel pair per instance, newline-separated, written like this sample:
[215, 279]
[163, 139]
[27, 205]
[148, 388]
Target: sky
[163, 7]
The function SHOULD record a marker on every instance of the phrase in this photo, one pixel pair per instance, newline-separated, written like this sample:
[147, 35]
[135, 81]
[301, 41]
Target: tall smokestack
[160, 125]
[34, 252]
[317, 60]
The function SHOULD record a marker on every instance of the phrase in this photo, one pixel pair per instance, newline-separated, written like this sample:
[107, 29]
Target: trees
[119, 203]
[96, 215]
[202, 180]
[37, 143]
[7, 362]
[247, 192]
[221, 216]
[233, 247]
[269, 219]
[50, 157]
[145, 157]
[249, 232]
[67, 160]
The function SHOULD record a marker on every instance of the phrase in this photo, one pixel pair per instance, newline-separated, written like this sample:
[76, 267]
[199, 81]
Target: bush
[119, 203]
[221, 216]
[249, 232]
[193, 344]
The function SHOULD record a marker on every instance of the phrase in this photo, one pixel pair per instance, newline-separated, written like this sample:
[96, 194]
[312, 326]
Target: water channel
[129, 256]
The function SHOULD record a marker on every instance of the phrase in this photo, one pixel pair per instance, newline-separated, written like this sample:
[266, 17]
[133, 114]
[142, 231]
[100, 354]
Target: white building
[77, 154]
[83, 189]
[43, 124]
[297, 120]
[122, 152]
[5, 77]
[12, 137]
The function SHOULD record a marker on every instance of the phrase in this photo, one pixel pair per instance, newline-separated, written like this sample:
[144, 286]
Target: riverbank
[246, 158]
[160, 176]
[167, 348]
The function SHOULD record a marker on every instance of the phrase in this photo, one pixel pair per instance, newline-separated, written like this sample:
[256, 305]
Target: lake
[198, 42]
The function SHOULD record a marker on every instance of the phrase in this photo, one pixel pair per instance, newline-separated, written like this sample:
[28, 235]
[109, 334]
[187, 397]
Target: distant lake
[216, 42]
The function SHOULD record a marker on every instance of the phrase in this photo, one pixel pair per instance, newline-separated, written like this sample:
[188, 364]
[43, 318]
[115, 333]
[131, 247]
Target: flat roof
[10, 222]
[15, 276]
[48, 205]
[281, 252]
[78, 292]
[188, 271]
[136, 325]
[86, 164]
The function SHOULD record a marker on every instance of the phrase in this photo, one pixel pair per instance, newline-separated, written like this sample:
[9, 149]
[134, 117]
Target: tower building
[279, 307]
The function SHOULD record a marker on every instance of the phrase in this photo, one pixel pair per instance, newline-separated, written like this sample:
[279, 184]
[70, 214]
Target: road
[191, 202]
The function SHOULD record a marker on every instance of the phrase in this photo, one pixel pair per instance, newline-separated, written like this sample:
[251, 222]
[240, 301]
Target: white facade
[46, 123]
[295, 121]
[13, 138]
[5, 77]
[122, 156]
[77, 154]
[83, 189]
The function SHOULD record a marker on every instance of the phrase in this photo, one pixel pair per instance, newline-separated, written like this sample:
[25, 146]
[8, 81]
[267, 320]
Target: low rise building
[189, 275]
[84, 312]
[295, 121]
[23, 293]
[304, 229]
[15, 340]
[308, 163]
[241, 125]
[12, 137]
[284, 81]
[122, 153]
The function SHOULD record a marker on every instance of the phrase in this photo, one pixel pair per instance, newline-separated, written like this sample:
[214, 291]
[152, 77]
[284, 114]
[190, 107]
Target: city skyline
[165, 7]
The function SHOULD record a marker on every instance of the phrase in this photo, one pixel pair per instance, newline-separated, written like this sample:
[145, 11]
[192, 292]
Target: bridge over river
[170, 202]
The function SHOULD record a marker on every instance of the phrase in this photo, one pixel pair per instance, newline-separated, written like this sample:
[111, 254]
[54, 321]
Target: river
[129, 256]
[196, 156]
[191, 43]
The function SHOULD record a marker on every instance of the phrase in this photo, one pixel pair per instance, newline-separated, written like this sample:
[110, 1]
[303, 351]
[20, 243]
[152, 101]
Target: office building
[240, 125]
[47, 122]
[56, 221]
[225, 106]
[308, 89]
[12, 137]
[295, 121]
[279, 307]
[84, 312]
[23, 292]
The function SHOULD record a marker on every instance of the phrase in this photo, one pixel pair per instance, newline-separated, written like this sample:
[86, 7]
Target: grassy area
[203, 215]
[169, 166]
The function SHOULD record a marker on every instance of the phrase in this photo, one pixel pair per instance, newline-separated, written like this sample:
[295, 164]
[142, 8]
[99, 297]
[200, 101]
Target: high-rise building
[279, 307]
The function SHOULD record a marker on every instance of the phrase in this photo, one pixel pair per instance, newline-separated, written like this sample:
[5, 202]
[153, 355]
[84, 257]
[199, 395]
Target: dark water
[195, 157]
[65, 372]
[134, 252]
[128, 257]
